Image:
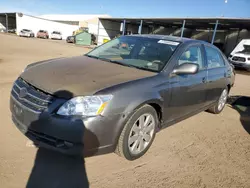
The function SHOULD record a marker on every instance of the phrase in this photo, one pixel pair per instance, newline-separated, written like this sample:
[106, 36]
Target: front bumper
[24, 34]
[56, 37]
[240, 65]
[89, 136]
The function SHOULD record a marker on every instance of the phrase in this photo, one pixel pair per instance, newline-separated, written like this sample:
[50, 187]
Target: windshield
[139, 52]
[246, 49]
[26, 30]
[56, 32]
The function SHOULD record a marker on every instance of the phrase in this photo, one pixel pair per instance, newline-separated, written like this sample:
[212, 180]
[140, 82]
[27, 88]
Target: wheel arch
[156, 103]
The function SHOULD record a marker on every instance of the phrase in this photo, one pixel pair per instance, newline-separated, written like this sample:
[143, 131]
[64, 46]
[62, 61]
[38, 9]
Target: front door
[188, 92]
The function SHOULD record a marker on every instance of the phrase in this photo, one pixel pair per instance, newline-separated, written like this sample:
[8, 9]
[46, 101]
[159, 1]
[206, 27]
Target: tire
[220, 104]
[139, 146]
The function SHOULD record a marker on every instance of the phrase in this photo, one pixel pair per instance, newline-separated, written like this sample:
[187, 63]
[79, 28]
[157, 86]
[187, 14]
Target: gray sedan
[119, 95]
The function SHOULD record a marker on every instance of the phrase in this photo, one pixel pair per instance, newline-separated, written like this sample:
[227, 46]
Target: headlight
[85, 106]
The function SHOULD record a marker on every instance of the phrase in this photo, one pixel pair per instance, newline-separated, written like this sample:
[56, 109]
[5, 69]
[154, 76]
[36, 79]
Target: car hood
[243, 54]
[79, 75]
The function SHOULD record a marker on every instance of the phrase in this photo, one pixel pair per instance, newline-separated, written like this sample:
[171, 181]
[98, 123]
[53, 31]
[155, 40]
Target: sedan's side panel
[188, 95]
[188, 92]
[216, 84]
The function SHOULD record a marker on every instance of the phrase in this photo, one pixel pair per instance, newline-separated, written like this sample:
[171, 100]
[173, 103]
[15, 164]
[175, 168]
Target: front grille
[236, 58]
[34, 99]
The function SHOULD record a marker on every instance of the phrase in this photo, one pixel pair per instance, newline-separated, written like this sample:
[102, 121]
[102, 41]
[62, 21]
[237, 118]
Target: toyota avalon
[119, 95]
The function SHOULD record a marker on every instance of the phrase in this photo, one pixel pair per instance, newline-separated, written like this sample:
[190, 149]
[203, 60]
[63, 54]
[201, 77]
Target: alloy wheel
[141, 133]
[222, 100]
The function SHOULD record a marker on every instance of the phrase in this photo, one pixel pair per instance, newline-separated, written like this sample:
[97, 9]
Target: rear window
[42, 31]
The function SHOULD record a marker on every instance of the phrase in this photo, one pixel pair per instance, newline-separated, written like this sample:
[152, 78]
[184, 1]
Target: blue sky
[131, 8]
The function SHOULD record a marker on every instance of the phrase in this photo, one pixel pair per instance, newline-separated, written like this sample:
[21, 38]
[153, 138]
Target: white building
[82, 20]
[66, 24]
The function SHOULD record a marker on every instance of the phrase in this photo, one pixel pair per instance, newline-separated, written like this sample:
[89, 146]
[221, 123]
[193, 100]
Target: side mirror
[186, 68]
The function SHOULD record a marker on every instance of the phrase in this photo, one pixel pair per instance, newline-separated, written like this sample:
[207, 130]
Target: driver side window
[192, 55]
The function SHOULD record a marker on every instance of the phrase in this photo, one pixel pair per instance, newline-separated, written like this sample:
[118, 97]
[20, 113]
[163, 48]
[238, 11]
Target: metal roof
[205, 22]
[181, 18]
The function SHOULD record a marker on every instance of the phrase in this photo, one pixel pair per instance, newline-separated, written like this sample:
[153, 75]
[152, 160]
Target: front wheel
[138, 133]
[220, 104]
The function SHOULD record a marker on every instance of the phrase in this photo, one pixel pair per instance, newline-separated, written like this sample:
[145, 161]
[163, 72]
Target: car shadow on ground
[242, 105]
[53, 169]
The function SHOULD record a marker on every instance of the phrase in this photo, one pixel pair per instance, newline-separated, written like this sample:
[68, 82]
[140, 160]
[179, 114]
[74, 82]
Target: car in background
[56, 35]
[70, 39]
[240, 56]
[119, 95]
[2, 30]
[42, 34]
[13, 31]
[26, 33]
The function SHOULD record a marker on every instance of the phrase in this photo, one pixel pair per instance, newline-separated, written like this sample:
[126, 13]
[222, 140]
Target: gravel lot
[203, 151]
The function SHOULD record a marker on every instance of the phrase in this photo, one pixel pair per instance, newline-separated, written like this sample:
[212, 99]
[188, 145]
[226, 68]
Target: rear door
[217, 74]
[188, 92]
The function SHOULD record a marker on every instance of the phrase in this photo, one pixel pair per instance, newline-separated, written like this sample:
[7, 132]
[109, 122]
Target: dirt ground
[203, 151]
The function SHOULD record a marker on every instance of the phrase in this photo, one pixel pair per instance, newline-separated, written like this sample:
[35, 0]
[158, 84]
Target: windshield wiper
[92, 56]
[96, 57]
[132, 66]
[143, 68]
[120, 63]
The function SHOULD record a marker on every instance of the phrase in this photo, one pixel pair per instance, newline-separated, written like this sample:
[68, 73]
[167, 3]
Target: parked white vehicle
[56, 35]
[26, 33]
[240, 56]
[2, 28]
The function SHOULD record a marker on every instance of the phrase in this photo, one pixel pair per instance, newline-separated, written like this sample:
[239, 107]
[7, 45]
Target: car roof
[171, 38]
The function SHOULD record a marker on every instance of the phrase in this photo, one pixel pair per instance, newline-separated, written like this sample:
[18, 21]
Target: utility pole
[7, 22]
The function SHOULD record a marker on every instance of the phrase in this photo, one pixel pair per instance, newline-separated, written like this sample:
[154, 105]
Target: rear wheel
[220, 104]
[138, 133]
